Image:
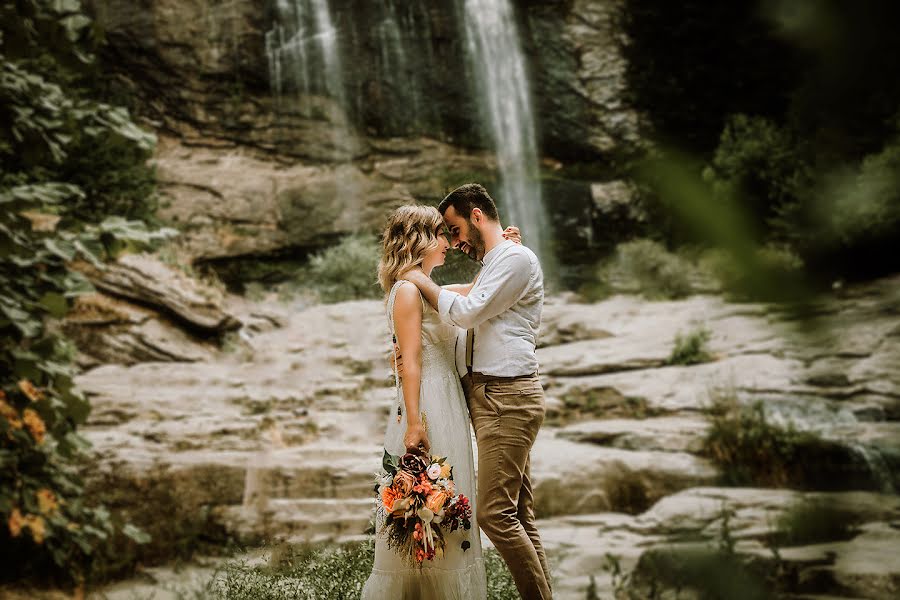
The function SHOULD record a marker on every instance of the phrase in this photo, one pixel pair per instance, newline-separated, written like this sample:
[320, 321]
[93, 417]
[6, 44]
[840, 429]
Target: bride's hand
[415, 439]
[512, 233]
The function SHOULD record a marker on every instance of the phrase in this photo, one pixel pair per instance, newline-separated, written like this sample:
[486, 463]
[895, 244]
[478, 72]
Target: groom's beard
[475, 245]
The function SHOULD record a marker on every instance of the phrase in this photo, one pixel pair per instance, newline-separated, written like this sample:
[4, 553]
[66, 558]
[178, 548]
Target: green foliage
[140, 537]
[779, 263]
[347, 270]
[317, 572]
[749, 449]
[66, 161]
[711, 573]
[760, 163]
[647, 267]
[500, 583]
[457, 268]
[788, 116]
[813, 521]
[690, 64]
[309, 572]
[862, 206]
[690, 348]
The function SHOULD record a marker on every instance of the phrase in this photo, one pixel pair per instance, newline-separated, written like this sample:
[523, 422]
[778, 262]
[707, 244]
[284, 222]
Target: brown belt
[482, 378]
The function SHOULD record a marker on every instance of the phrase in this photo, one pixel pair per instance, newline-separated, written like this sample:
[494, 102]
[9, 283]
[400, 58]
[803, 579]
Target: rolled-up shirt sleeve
[497, 291]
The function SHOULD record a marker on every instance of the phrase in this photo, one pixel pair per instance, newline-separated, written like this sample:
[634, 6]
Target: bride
[430, 414]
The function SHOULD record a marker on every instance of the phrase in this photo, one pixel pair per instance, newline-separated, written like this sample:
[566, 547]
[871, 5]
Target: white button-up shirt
[504, 308]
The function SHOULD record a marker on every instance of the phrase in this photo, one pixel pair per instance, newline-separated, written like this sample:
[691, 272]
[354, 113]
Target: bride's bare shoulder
[408, 298]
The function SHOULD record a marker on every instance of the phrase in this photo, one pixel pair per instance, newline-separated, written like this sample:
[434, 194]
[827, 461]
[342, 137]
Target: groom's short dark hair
[466, 197]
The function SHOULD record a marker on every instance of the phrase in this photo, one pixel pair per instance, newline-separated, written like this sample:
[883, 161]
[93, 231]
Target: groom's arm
[503, 286]
[462, 289]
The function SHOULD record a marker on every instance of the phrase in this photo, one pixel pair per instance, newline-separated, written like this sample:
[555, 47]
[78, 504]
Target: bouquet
[418, 501]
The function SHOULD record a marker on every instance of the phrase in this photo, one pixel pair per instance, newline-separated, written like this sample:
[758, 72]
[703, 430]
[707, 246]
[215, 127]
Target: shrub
[758, 163]
[863, 206]
[66, 161]
[781, 266]
[690, 348]
[813, 522]
[749, 449]
[347, 270]
[646, 266]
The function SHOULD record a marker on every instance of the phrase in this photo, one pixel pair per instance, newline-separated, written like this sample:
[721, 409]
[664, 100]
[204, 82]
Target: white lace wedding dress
[459, 575]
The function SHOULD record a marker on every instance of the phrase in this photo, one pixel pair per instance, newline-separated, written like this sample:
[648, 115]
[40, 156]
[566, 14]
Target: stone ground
[280, 433]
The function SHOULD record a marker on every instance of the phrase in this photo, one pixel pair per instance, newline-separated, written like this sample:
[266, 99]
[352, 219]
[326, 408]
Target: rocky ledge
[277, 435]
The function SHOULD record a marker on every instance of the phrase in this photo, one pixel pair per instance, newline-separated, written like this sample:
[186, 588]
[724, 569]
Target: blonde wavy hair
[410, 235]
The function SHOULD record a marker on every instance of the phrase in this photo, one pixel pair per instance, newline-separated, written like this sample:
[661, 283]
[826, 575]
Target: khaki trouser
[506, 414]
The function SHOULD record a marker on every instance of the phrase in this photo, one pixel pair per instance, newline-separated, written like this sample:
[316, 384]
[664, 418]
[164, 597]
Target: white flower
[386, 480]
[434, 471]
[425, 514]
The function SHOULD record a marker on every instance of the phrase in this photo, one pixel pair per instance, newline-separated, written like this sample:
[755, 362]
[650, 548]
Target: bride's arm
[408, 326]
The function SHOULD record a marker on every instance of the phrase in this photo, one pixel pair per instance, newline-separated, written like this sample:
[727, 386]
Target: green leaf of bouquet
[390, 462]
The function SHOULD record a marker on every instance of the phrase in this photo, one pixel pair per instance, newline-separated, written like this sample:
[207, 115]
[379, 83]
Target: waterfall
[395, 67]
[496, 60]
[878, 467]
[302, 50]
[304, 59]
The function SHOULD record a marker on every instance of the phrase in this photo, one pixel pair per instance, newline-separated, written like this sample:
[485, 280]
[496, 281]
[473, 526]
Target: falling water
[499, 67]
[304, 59]
[394, 64]
[878, 467]
[302, 50]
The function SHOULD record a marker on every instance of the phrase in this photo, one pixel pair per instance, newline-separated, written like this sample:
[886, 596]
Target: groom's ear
[476, 216]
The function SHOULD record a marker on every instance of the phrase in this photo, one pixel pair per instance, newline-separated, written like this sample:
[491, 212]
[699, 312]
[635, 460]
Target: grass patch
[326, 573]
[690, 348]
[813, 522]
[749, 449]
[308, 572]
[579, 404]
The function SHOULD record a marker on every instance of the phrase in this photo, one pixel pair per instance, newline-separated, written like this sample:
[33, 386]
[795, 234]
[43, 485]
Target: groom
[498, 368]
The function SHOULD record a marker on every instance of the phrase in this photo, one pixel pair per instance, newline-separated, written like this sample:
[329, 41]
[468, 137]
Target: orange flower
[35, 425]
[424, 487]
[11, 414]
[404, 482]
[36, 526]
[388, 496]
[15, 523]
[46, 501]
[34, 394]
[435, 501]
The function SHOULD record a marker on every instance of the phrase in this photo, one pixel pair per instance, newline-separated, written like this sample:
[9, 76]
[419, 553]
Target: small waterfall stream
[497, 61]
[395, 65]
[304, 59]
